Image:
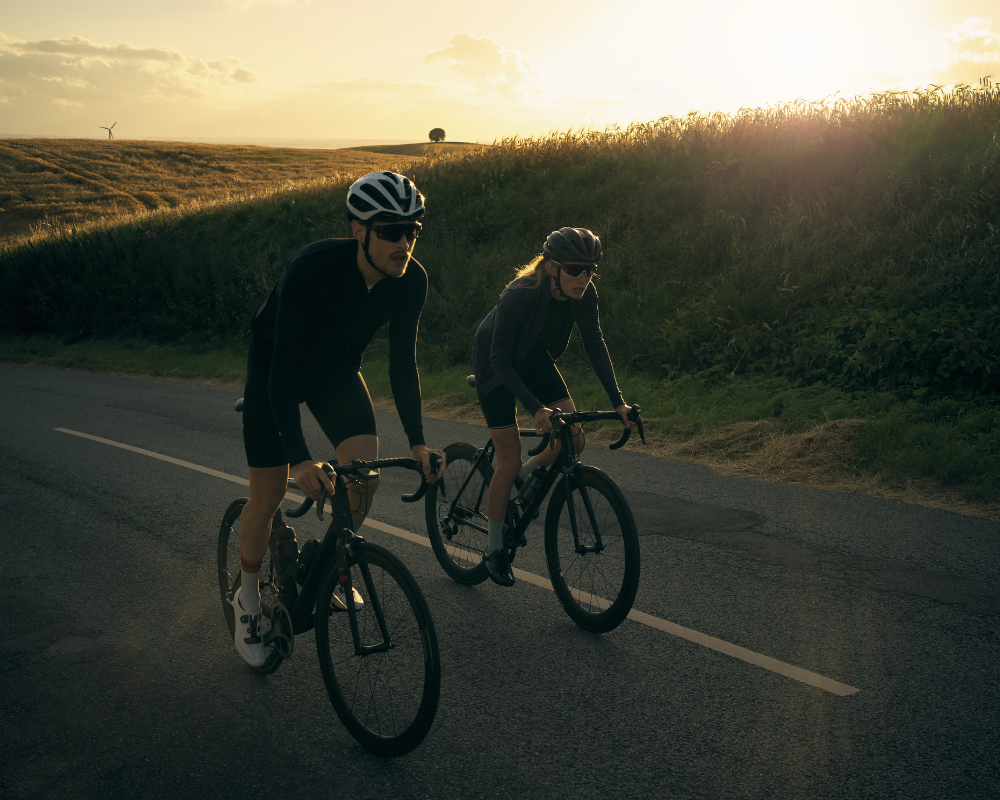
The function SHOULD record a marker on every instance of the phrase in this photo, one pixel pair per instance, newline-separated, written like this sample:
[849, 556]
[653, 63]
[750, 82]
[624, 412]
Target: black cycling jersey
[525, 316]
[321, 314]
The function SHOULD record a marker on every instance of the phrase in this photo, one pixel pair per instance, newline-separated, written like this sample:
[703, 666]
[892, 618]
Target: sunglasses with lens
[396, 231]
[575, 270]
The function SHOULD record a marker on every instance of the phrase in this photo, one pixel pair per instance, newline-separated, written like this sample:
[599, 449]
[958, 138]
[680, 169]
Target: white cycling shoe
[341, 603]
[247, 636]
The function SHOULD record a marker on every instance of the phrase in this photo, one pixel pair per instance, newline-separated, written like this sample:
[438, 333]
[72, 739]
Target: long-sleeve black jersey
[519, 319]
[321, 314]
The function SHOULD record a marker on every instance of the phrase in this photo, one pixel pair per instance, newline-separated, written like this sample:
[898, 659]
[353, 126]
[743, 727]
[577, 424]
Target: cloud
[485, 60]
[69, 86]
[974, 47]
[81, 70]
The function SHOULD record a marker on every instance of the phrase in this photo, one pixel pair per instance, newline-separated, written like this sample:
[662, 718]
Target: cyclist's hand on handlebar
[310, 478]
[422, 453]
[623, 410]
[542, 422]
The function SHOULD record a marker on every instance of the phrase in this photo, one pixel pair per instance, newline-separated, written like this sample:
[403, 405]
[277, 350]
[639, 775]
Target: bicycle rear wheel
[229, 580]
[456, 526]
[595, 574]
[387, 695]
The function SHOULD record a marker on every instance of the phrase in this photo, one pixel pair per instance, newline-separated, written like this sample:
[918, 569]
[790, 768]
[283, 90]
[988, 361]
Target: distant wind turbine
[110, 134]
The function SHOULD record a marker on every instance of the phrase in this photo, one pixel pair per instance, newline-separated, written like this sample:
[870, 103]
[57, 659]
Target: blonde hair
[534, 271]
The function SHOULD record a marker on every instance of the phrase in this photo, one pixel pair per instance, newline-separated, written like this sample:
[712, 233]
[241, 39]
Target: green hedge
[854, 245]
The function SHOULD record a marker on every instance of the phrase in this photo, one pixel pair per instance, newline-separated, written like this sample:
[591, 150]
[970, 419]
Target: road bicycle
[591, 543]
[379, 657]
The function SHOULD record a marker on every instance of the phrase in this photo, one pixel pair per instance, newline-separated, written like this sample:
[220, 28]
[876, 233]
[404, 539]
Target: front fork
[569, 485]
[372, 602]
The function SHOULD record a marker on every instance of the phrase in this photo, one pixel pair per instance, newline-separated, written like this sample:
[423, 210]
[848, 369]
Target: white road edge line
[720, 646]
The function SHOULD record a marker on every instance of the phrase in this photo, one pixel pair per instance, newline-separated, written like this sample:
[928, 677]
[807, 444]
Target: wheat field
[59, 183]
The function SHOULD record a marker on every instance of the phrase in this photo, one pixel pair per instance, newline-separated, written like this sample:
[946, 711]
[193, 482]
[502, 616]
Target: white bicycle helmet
[384, 197]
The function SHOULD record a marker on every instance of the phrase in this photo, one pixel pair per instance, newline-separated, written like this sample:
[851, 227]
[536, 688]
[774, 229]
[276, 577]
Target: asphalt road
[118, 679]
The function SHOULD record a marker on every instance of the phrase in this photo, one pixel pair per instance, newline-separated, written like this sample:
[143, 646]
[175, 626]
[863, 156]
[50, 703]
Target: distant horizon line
[300, 142]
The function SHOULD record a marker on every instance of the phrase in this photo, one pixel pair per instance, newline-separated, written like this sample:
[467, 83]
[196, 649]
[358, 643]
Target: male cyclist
[306, 344]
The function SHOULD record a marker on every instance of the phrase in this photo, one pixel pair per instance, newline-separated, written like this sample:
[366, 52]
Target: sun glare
[719, 57]
[798, 54]
[814, 51]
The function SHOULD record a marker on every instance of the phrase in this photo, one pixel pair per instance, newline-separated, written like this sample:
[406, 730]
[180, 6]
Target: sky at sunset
[256, 69]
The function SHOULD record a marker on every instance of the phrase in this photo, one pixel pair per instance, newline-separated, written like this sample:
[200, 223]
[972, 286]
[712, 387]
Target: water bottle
[531, 484]
[286, 547]
[306, 557]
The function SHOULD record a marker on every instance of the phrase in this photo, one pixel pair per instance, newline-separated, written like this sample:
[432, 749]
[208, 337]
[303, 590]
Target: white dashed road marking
[757, 659]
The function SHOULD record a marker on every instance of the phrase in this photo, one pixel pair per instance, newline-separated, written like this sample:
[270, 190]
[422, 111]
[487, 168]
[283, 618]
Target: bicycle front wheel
[384, 686]
[592, 553]
[456, 520]
[230, 575]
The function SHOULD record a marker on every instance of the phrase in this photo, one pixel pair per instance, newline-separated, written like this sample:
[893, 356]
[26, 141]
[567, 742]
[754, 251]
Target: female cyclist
[513, 358]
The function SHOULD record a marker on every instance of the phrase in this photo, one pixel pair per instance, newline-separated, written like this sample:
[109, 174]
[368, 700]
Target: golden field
[56, 183]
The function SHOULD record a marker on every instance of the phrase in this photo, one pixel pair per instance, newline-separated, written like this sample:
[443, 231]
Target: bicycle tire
[457, 545]
[229, 580]
[387, 700]
[597, 589]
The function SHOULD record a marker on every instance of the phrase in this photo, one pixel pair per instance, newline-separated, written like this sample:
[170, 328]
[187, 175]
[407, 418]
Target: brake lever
[331, 473]
[557, 426]
[634, 414]
[320, 503]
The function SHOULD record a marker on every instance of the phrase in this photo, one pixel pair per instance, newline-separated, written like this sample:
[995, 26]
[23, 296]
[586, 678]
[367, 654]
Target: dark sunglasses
[574, 270]
[396, 231]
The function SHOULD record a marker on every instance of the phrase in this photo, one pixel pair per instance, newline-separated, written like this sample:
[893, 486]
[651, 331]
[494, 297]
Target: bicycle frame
[564, 467]
[297, 604]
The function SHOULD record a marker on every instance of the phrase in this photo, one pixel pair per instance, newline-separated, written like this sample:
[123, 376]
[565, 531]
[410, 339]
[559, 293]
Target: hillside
[424, 149]
[798, 265]
[47, 183]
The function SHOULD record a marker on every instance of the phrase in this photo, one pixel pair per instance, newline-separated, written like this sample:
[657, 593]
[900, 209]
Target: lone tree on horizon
[436, 135]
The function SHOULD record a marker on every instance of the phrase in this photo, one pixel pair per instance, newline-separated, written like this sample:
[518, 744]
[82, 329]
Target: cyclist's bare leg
[267, 489]
[507, 443]
[362, 493]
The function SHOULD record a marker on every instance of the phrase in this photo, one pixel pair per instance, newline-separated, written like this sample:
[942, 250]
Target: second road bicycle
[591, 542]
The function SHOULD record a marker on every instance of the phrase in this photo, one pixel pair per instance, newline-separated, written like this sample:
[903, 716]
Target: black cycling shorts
[543, 380]
[338, 399]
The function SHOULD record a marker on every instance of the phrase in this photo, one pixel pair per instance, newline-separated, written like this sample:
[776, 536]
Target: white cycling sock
[250, 585]
[496, 536]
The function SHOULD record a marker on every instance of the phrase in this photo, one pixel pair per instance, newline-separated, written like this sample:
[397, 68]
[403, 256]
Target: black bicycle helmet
[573, 244]
[384, 197]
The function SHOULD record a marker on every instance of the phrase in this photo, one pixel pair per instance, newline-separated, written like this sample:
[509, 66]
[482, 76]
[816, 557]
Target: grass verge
[942, 454]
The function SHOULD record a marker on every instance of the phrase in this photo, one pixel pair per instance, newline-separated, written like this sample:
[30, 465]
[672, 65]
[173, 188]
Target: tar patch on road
[747, 533]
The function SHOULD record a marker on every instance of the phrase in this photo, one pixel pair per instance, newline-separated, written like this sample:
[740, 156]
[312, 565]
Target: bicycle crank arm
[281, 635]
